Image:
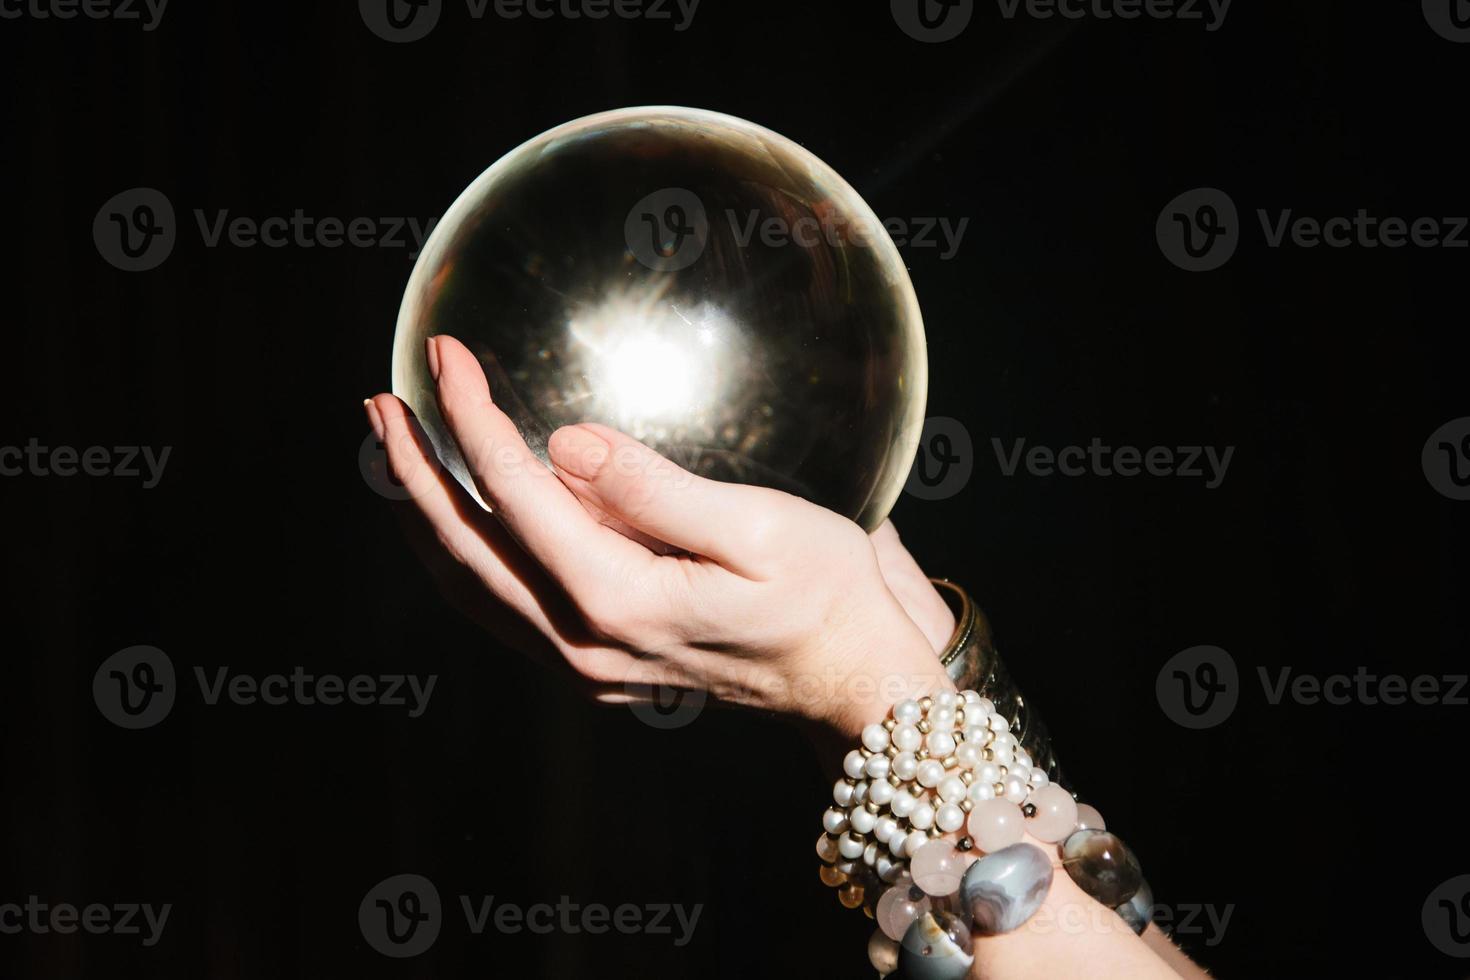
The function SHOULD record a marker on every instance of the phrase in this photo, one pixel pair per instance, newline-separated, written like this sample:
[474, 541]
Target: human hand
[770, 601]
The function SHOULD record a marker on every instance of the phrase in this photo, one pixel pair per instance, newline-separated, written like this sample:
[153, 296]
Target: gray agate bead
[1006, 887]
[1138, 911]
[1102, 866]
[936, 947]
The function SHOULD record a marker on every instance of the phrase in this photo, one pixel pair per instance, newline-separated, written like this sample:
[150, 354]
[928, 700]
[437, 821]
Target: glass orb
[694, 280]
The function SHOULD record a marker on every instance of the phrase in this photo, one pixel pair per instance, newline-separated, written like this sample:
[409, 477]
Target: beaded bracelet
[926, 834]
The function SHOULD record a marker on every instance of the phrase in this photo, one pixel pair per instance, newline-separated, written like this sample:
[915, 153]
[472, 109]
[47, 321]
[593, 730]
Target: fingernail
[578, 451]
[374, 418]
[431, 351]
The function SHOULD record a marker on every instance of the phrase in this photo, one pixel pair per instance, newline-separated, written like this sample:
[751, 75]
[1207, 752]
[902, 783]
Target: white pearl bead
[970, 697]
[834, 821]
[870, 855]
[1023, 759]
[913, 842]
[949, 818]
[903, 803]
[941, 718]
[940, 744]
[884, 828]
[860, 794]
[862, 819]
[849, 847]
[947, 699]
[952, 789]
[1016, 789]
[881, 792]
[906, 738]
[904, 766]
[846, 867]
[877, 767]
[969, 755]
[998, 724]
[1007, 739]
[887, 868]
[978, 735]
[875, 738]
[895, 843]
[922, 818]
[1039, 778]
[930, 773]
[907, 712]
[1002, 756]
[985, 705]
[981, 791]
[853, 763]
[842, 793]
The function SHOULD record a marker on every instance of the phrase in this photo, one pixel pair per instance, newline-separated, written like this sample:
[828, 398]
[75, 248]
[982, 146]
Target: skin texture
[628, 573]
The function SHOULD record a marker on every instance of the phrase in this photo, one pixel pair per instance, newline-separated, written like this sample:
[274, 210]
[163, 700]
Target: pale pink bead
[897, 909]
[995, 824]
[937, 868]
[1055, 816]
[1088, 818]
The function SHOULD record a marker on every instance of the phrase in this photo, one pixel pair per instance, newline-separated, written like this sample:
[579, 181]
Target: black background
[1324, 827]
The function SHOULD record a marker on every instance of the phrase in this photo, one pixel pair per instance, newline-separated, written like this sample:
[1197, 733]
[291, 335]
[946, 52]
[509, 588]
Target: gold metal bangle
[973, 664]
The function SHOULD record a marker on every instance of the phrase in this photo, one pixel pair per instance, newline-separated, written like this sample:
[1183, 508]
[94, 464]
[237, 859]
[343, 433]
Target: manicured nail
[578, 451]
[374, 418]
[431, 351]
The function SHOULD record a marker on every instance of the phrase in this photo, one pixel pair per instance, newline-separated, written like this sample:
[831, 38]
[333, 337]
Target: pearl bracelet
[926, 835]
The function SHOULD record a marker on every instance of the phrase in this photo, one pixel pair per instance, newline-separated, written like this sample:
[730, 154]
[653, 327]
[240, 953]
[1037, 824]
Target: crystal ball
[695, 280]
